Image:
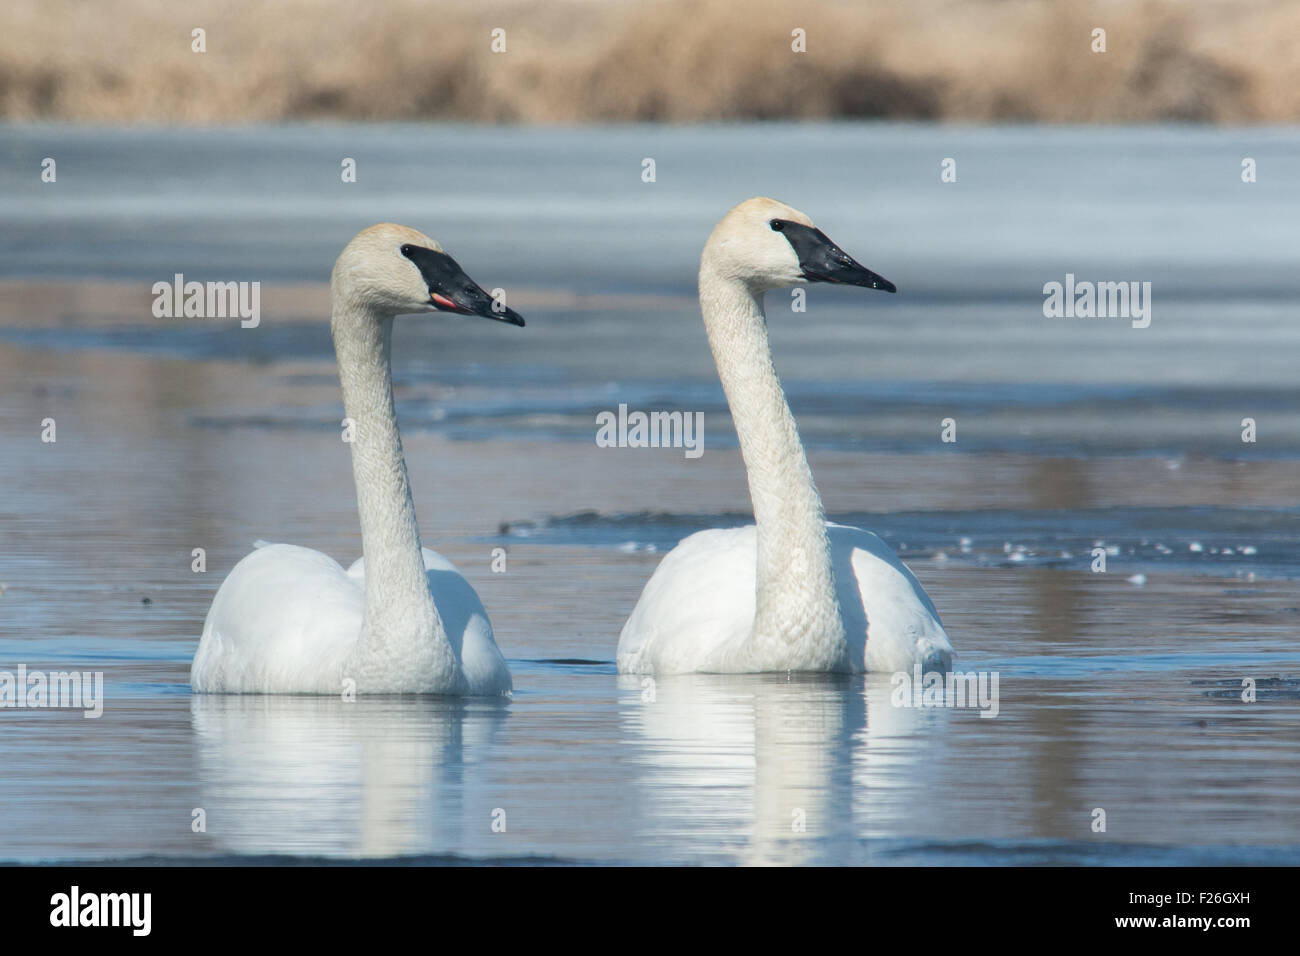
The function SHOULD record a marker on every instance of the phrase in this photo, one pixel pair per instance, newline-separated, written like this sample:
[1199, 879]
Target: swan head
[396, 270]
[769, 245]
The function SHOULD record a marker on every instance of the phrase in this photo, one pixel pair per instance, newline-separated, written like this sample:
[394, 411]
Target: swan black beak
[451, 290]
[823, 261]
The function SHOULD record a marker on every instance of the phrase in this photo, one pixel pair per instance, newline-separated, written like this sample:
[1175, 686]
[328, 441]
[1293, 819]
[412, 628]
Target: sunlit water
[1119, 690]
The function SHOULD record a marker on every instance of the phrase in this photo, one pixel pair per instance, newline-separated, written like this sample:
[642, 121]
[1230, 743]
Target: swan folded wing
[889, 620]
[283, 621]
[696, 608]
[465, 621]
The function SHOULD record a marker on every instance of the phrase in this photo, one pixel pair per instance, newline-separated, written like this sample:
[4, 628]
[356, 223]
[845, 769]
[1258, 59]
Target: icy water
[1119, 691]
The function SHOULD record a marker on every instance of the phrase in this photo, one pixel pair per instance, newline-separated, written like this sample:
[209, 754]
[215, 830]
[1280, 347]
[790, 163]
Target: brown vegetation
[1223, 61]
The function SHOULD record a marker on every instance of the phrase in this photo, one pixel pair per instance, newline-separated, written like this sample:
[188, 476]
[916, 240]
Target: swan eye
[406, 251]
[777, 225]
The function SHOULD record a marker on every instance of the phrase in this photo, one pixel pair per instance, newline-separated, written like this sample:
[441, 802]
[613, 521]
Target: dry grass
[1223, 61]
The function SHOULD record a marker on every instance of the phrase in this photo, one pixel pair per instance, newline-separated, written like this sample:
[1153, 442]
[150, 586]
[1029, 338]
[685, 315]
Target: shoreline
[580, 61]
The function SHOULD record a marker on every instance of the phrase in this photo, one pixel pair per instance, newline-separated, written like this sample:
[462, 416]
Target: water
[1119, 691]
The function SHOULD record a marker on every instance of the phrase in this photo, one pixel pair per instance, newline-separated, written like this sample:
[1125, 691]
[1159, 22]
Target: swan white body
[696, 614]
[290, 620]
[287, 620]
[791, 592]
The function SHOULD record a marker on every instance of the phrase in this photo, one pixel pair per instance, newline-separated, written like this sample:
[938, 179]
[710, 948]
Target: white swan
[290, 620]
[792, 592]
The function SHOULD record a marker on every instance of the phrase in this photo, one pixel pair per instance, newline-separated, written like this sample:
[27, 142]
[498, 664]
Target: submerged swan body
[290, 620]
[792, 592]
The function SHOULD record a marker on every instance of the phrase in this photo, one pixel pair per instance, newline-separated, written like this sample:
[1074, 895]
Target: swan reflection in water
[776, 768]
[377, 776]
[760, 768]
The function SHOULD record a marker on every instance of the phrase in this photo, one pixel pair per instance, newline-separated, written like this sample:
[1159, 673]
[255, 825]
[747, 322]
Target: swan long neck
[797, 614]
[401, 622]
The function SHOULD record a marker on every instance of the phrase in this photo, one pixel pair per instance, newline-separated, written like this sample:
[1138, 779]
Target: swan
[791, 592]
[401, 619]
